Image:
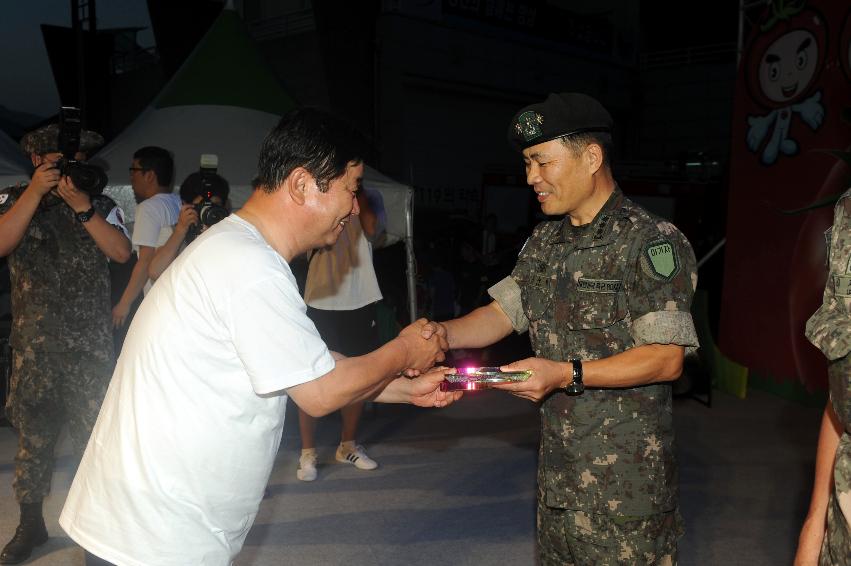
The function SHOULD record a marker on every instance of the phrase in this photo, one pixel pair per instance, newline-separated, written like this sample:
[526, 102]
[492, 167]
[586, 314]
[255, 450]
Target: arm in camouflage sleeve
[110, 240]
[659, 299]
[15, 219]
[829, 328]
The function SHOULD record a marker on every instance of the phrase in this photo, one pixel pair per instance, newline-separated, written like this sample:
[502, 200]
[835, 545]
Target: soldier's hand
[44, 178]
[547, 375]
[78, 200]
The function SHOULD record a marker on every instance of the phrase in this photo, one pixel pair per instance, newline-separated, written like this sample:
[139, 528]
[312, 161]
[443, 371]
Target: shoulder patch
[659, 259]
[3, 198]
[842, 285]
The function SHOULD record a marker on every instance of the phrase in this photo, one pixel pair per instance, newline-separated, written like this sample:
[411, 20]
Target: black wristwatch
[86, 215]
[576, 387]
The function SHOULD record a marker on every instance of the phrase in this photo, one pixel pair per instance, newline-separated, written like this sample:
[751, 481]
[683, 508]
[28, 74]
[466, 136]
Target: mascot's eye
[801, 59]
[774, 71]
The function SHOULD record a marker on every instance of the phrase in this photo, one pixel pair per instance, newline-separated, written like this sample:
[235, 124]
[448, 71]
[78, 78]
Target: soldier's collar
[598, 231]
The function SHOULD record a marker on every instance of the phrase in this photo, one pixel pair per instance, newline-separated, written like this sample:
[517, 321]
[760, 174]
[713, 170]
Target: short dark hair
[192, 186]
[311, 138]
[577, 143]
[159, 161]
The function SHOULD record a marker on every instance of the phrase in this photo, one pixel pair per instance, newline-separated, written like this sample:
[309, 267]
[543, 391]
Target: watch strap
[86, 215]
[576, 387]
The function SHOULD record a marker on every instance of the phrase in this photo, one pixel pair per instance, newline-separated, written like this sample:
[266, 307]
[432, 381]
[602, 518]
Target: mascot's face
[788, 66]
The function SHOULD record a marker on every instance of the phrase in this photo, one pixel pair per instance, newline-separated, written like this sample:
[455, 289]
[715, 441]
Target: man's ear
[36, 159]
[298, 183]
[594, 157]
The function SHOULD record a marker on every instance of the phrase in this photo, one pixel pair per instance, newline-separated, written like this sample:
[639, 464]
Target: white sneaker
[356, 457]
[306, 467]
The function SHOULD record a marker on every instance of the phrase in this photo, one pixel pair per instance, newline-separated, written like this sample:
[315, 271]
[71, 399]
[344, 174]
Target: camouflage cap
[46, 140]
[562, 114]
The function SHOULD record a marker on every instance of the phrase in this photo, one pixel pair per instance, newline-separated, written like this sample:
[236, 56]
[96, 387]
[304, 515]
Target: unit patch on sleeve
[842, 285]
[660, 260]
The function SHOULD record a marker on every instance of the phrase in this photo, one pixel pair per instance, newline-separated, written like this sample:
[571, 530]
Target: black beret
[562, 114]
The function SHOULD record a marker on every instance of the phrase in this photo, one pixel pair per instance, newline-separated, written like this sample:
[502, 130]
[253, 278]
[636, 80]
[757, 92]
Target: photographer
[200, 191]
[58, 238]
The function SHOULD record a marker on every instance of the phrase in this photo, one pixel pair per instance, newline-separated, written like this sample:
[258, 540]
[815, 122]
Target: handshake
[425, 344]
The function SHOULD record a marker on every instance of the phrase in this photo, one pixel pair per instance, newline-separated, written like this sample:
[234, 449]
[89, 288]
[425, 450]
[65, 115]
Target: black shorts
[351, 333]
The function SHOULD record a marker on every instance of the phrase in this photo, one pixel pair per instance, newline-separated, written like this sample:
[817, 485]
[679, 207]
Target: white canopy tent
[14, 165]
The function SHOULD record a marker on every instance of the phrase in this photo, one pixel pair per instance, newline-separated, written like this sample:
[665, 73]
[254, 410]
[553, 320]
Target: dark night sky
[27, 82]
[672, 25]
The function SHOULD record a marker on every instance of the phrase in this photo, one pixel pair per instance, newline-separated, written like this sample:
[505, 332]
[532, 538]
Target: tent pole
[409, 254]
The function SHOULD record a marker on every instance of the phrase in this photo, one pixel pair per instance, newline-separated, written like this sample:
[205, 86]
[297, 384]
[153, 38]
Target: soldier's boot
[29, 534]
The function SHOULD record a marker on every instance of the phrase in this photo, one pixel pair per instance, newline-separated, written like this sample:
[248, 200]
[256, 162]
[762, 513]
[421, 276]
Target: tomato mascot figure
[788, 56]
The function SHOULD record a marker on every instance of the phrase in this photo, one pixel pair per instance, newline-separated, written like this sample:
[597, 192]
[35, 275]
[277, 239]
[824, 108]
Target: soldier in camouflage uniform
[605, 295]
[58, 240]
[826, 535]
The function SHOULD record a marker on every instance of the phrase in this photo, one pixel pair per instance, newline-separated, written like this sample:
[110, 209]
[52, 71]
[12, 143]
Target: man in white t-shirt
[176, 466]
[151, 175]
[342, 294]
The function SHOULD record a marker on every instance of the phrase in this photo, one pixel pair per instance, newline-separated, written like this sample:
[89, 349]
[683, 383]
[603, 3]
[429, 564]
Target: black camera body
[209, 212]
[88, 178]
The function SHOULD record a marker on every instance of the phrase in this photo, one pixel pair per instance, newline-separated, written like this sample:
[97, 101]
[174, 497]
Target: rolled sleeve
[507, 294]
[665, 327]
[661, 294]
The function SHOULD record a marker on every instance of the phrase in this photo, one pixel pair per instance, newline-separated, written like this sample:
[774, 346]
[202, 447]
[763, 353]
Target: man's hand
[427, 330]
[546, 376]
[44, 179]
[422, 353]
[120, 312]
[433, 327]
[188, 217]
[78, 200]
[425, 389]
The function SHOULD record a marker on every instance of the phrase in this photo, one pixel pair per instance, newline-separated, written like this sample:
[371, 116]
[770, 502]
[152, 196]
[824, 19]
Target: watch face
[575, 388]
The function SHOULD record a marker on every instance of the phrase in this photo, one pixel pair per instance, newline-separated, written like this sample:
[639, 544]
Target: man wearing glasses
[151, 174]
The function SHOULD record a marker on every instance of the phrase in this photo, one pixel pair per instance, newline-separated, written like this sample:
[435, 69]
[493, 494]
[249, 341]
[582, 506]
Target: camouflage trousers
[574, 538]
[47, 390]
[836, 547]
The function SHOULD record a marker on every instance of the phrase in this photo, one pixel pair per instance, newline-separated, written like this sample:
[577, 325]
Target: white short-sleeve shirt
[175, 469]
[155, 220]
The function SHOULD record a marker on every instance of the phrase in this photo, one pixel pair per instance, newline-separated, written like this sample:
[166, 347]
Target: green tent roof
[226, 68]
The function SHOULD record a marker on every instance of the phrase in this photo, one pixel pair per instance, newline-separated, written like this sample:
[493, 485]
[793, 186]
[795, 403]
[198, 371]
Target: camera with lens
[206, 184]
[209, 212]
[86, 177]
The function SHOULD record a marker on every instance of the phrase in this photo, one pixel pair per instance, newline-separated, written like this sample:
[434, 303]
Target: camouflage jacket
[624, 280]
[829, 329]
[60, 280]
